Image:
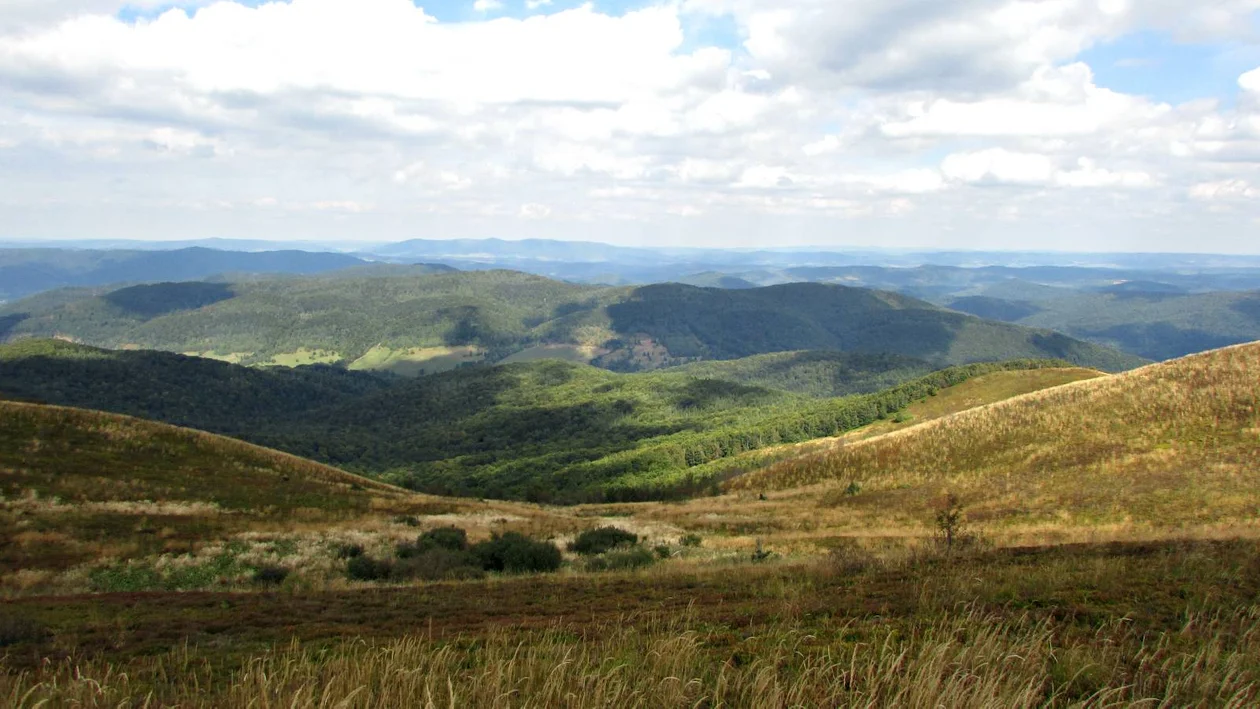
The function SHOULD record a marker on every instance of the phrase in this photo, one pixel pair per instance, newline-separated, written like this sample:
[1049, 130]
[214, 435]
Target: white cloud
[488, 5]
[1053, 102]
[1225, 190]
[535, 211]
[1088, 174]
[881, 114]
[999, 166]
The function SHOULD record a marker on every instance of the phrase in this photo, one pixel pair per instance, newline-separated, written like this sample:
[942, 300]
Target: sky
[1075, 125]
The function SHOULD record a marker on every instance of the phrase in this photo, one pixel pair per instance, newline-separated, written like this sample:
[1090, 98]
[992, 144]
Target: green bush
[516, 553]
[602, 539]
[365, 568]
[690, 540]
[446, 538]
[663, 551]
[621, 560]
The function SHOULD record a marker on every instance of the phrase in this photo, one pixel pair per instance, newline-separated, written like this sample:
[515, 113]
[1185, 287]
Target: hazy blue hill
[714, 279]
[1157, 324]
[27, 271]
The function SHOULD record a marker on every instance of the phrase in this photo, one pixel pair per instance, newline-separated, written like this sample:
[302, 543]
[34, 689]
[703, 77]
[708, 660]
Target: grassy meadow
[1105, 555]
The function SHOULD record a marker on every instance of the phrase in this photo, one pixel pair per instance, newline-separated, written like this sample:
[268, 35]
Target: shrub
[853, 489]
[662, 551]
[949, 521]
[408, 520]
[761, 554]
[439, 564]
[602, 539]
[516, 553]
[446, 538]
[270, 575]
[690, 540]
[349, 551]
[621, 560]
[365, 568]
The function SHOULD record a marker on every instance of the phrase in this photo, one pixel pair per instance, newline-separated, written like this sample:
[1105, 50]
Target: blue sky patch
[1154, 65]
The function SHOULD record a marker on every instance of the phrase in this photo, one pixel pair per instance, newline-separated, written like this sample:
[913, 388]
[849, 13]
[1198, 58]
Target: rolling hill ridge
[545, 430]
[436, 321]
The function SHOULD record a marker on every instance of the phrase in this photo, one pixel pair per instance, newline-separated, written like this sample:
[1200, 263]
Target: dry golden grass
[967, 659]
[81, 489]
[979, 391]
[1173, 444]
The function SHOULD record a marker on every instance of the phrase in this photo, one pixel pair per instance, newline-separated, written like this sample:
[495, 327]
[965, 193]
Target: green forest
[543, 431]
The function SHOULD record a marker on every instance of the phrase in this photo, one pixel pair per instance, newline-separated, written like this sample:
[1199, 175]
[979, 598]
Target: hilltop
[422, 323]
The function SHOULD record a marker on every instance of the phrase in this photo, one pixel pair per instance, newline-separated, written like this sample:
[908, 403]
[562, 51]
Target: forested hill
[546, 430]
[437, 320]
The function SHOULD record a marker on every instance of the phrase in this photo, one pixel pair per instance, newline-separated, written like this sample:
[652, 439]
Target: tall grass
[969, 658]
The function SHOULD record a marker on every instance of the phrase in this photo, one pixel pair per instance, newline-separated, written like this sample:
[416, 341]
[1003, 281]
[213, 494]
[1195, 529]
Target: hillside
[1169, 445]
[28, 271]
[1152, 320]
[543, 430]
[184, 391]
[813, 373]
[77, 484]
[423, 323]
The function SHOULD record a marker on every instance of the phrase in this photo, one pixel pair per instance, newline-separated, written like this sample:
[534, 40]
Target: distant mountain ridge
[487, 316]
[28, 271]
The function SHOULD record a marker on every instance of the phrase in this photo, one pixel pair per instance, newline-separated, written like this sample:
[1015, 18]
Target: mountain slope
[184, 391]
[1175, 443]
[79, 485]
[814, 373]
[489, 316]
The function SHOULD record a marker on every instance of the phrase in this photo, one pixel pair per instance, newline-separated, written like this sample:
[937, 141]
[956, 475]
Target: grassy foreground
[1169, 624]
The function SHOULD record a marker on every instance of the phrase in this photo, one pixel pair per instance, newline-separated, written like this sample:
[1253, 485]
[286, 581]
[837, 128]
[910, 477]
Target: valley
[369, 485]
[1088, 575]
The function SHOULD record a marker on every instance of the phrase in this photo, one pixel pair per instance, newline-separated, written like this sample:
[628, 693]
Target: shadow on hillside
[151, 301]
[703, 393]
[996, 308]
[9, 322]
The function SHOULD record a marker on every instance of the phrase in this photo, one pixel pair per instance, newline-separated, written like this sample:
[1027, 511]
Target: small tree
[949, 521]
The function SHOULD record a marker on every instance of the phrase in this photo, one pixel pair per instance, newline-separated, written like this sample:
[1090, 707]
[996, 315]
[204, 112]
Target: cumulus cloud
[592, 123]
